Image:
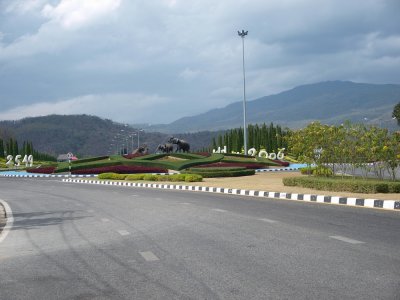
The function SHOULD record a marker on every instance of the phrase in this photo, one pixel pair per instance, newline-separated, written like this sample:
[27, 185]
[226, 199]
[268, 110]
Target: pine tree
[2, 149]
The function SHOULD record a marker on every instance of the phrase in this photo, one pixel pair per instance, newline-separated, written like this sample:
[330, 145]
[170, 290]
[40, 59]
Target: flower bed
[42, 170]
[120, 170]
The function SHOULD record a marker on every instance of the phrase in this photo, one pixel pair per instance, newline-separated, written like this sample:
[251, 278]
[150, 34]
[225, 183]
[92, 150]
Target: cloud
[187, 53]
[72, 14]
[23, 6]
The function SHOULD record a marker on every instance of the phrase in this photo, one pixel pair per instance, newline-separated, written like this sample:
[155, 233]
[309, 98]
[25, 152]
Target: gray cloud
[184, 57]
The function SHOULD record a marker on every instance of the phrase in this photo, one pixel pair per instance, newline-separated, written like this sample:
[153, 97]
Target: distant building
[65, 157]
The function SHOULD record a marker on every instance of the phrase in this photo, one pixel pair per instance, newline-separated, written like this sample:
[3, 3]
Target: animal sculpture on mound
[181, 145]
[165, 148]
[143, 150]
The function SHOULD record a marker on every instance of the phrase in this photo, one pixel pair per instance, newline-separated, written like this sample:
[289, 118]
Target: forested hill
[87, 135]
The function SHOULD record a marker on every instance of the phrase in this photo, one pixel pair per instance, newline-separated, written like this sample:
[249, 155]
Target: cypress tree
[2, 149]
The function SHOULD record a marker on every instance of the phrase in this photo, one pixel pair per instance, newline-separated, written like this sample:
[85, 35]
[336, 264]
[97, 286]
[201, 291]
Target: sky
[142, 61]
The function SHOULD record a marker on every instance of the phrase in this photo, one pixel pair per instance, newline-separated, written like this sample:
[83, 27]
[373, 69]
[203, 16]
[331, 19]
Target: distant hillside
[329, 102]
[87, 135]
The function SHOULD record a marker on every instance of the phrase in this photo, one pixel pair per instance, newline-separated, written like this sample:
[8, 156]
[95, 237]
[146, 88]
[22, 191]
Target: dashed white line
[345, 239]
[123, 232]
[267, 220]
[149, 256]
[219, 210]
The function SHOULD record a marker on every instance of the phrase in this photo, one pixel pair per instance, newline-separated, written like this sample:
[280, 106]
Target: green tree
[1, 148]
[396, 113]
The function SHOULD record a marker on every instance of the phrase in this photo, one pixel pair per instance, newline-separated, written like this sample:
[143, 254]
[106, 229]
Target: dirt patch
[272, 182]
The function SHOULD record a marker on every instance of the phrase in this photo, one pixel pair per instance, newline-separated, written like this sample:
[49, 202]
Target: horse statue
[165, 148]
[181, 145]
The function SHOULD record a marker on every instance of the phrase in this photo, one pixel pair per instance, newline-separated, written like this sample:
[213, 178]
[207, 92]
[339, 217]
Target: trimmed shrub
[135, 177]
[193, 178]
[120, 170]
[233, 164]
[337, 184]
[113, 176]
[174, 177]
[220, 172]
[89, 159]
[150, 177]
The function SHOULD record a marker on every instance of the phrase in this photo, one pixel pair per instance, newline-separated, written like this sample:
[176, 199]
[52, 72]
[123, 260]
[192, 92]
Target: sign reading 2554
[28, 160]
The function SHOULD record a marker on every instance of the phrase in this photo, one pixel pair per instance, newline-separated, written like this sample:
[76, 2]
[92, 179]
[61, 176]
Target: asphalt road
[74, 241]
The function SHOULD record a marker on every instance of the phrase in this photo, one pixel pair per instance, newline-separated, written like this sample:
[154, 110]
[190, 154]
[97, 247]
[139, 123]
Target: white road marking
[149, 256]
[219, 210]
[105, 220]
[10, 220]
[267, 220]
[345, 239]
[123, 232]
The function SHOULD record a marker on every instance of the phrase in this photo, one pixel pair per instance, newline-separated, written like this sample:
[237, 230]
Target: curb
[45, 175]
[355, 202]
[276, 170]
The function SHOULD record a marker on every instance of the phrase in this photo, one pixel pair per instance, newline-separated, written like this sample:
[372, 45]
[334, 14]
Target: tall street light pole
[138, 137]
[242, 34]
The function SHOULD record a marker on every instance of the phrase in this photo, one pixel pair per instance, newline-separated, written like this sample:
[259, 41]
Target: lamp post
[242, 34]
[138, 137]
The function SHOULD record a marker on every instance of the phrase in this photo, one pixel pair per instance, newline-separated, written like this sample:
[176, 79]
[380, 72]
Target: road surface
[74, 241]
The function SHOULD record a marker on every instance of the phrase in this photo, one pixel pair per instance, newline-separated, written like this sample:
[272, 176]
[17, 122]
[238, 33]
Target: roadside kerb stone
[338, 200]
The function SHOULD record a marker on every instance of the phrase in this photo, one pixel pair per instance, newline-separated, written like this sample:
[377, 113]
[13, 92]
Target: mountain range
[331, 102]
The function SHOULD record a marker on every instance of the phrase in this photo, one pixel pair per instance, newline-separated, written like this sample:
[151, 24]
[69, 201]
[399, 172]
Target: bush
[174, 177]
[113, 176]
[322, 171]
[220, 172]
[193, 178]
[135, 177]
[120, 170]
[150, 177]
[317, 171]
[337, 184]
[90, 159]
[234, 164]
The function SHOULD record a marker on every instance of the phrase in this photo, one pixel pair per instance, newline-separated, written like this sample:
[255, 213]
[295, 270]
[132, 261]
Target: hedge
[220, 172]
[344, 184]
[120, 169]
[223, 164]
[150, 177]
[113, 176]
[89, 159]
[64, 167]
